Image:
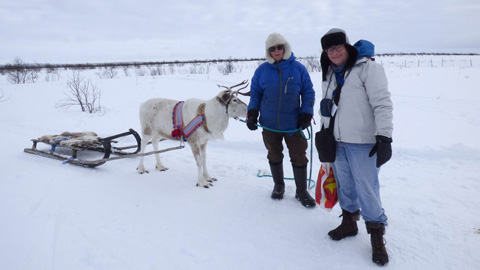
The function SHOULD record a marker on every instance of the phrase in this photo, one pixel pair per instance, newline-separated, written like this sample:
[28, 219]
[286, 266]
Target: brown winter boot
[348, 226]
[379, 253]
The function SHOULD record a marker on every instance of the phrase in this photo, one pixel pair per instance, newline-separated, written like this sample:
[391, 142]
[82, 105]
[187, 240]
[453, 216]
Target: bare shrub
[140, 71]
[82, 93]
[32, 74]
[157, 70]
[107, 73]
[199, 68]
[52, 74]
[126, 71]
[18, 73]
[226, 67]
[171, 68]
[312, 63]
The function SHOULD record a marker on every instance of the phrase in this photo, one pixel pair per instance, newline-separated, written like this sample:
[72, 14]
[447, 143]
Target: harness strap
[192, 126]
[177, 115]
[183, 133]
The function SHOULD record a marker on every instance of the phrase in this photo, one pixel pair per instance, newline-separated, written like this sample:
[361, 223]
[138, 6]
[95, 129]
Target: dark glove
[383, 148]
[252, 116]
[304, 120]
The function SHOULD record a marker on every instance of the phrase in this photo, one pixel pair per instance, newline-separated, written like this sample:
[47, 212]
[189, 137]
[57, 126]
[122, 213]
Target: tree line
[18, 64]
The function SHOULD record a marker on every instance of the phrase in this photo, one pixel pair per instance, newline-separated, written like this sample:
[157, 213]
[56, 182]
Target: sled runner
[74, 143]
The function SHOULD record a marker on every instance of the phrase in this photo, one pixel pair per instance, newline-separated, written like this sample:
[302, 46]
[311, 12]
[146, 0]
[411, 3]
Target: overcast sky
[64, 31]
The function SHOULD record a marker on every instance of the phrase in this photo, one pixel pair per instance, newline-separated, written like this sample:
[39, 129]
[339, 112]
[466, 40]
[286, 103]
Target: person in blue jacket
[282, 95]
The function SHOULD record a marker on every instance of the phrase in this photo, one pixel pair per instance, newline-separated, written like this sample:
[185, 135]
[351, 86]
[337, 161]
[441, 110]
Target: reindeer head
[235, 107]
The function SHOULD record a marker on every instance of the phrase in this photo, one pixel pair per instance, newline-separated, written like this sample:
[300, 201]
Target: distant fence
[473, 62]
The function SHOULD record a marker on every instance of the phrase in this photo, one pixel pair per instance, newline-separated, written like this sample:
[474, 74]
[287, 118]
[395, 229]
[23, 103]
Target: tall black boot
[277, 175]
[379, 252]
[348, 226]
[300, 174]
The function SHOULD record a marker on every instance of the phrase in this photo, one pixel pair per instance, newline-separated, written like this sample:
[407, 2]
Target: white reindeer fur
[156, 123]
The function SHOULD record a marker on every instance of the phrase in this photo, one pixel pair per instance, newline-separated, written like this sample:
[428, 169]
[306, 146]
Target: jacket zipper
[286, 85]
[279, 95]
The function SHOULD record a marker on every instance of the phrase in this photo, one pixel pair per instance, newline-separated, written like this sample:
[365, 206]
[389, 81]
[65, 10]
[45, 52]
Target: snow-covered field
[56, 216]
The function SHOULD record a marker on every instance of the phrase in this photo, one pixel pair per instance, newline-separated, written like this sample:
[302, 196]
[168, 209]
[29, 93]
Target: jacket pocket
[291, 99]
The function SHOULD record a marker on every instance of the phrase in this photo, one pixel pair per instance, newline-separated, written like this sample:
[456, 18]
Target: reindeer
[156, 123]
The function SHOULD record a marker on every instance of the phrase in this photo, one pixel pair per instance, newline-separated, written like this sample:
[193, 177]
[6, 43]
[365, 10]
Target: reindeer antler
[231, 87]
[242, 83]
[243, 94]
[237, 91]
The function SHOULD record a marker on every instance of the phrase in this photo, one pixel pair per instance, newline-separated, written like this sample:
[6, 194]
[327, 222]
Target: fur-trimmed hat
[275, 39]
[334, 36]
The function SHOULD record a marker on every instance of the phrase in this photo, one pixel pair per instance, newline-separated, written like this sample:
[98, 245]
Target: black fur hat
[334, 36]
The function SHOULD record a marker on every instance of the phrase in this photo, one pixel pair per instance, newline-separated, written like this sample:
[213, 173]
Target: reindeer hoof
[142, 171]
[213, 179]
[162, 169]
[205, 186]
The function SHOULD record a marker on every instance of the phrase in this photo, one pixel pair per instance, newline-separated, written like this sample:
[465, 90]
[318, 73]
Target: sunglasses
[278, 47]
[332, 49]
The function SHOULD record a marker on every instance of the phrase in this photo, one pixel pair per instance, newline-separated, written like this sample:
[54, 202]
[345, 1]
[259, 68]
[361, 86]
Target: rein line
[311, 182]
[285, 131]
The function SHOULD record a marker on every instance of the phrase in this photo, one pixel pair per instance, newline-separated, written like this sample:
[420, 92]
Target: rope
[311, 182]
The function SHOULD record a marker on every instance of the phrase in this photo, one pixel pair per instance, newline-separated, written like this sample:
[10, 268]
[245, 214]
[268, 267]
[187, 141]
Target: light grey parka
[365, 108]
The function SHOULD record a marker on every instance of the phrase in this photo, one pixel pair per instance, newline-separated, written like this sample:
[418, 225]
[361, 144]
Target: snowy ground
[56, 216]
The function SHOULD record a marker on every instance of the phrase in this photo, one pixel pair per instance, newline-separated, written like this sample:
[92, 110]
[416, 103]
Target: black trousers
[297, 146]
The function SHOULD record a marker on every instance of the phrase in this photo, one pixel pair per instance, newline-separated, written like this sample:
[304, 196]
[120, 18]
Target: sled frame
[102, 145]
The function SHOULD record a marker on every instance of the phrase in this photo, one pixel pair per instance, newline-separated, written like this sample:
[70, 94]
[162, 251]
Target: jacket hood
[365, 48]
[275, 39]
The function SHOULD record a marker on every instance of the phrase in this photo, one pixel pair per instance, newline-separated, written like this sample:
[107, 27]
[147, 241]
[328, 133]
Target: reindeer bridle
[236, 93]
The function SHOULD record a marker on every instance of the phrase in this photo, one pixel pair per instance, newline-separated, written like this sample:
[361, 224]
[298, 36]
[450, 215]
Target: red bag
[326, 188]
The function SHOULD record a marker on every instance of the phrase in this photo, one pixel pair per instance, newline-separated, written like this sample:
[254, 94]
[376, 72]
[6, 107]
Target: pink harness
[182, 133]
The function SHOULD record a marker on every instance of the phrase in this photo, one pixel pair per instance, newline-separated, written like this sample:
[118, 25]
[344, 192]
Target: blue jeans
[357, 181]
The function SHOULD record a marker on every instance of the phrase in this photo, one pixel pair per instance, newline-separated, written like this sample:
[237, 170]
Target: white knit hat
[275, 39]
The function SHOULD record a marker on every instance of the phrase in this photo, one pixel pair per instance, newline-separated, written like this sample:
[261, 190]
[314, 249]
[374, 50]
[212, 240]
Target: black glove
[252, 116]
[304, 120]
[383, 148]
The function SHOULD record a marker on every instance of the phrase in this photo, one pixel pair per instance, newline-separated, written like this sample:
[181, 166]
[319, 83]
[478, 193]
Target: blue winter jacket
[281, 91]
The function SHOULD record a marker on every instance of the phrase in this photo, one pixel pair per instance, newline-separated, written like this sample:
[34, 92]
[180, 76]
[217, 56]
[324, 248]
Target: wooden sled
[89, 141]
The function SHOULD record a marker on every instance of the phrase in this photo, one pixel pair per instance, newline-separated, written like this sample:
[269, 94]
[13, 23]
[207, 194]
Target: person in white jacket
[355, 92]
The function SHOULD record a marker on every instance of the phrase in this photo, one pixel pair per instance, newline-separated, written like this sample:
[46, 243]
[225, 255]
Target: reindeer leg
[197, 153]
[203, 149]
[158, 166]
[145, 139]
